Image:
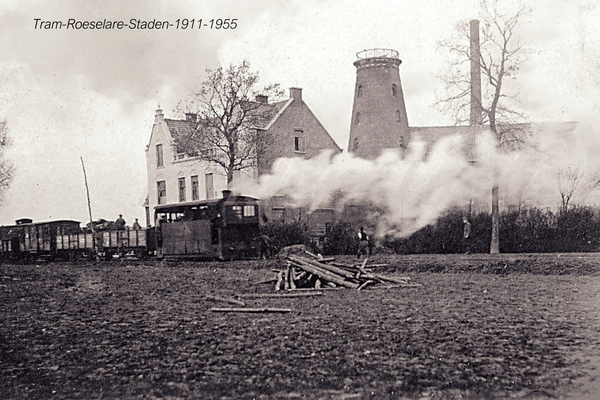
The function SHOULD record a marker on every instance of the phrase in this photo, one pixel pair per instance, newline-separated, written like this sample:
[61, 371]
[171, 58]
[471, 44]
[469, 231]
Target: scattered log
[322, 273]
[232, 301]
[282, 295]
[272, 280]
[279, 284]
[286, 278]
[332, 268]
[361, 287]
[291, 277]
[307, 270]
[252, 310]
[409, 285]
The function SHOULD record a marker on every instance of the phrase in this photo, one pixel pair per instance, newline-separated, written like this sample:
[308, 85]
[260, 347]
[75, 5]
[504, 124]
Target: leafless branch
[226, 133]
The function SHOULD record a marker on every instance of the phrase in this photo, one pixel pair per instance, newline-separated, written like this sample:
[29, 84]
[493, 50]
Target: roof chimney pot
[261, 98]
[296, 93]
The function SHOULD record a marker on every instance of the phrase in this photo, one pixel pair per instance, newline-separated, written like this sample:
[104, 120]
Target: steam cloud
[414, 190]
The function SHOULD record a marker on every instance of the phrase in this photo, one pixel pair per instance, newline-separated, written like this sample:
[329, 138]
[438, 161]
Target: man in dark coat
[120, 222]
[363, 243]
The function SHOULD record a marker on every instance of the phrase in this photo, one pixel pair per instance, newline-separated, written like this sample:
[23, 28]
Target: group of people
[120, 224]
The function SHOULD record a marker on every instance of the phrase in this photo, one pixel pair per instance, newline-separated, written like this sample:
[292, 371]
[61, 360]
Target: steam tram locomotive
[225, 228]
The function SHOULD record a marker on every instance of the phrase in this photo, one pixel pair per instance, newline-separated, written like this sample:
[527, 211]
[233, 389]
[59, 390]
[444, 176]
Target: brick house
[174, 176]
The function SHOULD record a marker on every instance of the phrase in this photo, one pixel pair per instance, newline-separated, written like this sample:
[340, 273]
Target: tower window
[359, 91]
[402, 144]
[394, 90]
[357, 118]
[398, 116]
[355, 145]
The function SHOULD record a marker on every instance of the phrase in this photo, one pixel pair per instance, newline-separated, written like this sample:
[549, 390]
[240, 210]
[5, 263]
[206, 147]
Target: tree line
[528, 230]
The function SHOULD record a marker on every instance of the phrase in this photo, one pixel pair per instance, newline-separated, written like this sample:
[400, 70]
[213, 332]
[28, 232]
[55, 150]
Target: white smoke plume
[410, 191]
[413, 191]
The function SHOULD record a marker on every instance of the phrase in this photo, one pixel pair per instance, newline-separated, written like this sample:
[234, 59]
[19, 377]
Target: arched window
[355, 145]
[394, 90]
[357, 118]
[401, 143]
[359, 91]
[398, 116]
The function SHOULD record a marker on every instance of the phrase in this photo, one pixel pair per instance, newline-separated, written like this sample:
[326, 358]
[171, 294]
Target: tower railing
[377, 53]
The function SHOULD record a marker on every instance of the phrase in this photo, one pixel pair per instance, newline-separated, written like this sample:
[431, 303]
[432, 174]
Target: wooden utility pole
[87, 190]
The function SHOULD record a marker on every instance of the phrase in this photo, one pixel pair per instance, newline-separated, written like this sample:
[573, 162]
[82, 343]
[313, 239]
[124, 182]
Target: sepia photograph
[300, 199]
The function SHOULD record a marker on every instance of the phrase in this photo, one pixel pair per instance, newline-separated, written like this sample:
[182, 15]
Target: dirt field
[524, 327]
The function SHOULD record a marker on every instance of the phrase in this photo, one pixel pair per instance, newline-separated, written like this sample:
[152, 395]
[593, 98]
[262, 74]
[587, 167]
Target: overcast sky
[68, 94]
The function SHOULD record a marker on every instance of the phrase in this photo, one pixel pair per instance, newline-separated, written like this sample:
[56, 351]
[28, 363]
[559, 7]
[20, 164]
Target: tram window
[249, 211]
[237, 211]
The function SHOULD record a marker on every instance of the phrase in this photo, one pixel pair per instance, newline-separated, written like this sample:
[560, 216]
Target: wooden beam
[232, 301]
[280, 295]
[252, 310]
[323, 273]
[330, 268]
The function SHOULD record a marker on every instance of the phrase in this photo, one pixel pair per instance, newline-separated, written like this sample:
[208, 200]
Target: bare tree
[499, 57]
[228, 132]
[6, 168]
[575, 180]
[570, 180]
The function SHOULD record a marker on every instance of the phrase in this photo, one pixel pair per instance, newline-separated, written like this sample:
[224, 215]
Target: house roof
[179, 128]
[265, 113]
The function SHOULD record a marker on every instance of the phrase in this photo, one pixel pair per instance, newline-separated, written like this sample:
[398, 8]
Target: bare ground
[524, 327]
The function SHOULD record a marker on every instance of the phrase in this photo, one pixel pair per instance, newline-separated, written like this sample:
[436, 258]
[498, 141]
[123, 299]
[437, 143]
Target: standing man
[363, 243]
[120, 222]
[136, 225]
[467, 236]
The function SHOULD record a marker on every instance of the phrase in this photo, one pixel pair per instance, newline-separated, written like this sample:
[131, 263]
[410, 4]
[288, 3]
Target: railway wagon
[128, 241]
[105, 244]
[37, 240]
[226, 228]
[64, 239]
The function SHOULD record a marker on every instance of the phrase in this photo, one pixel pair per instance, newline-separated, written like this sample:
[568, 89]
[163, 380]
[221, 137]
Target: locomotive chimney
[226, 194]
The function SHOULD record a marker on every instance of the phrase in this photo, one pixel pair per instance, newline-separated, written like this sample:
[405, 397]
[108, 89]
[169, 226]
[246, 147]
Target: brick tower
[379, 118]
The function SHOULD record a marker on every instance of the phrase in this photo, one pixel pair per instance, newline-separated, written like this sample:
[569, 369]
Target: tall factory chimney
[476, 111]
[379, 119]
[475, 55]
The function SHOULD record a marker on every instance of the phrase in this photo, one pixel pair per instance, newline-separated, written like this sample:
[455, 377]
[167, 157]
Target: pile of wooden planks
[311, 271]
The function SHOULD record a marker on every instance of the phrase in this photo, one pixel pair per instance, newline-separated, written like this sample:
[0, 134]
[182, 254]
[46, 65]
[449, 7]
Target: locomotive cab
[224, 228]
